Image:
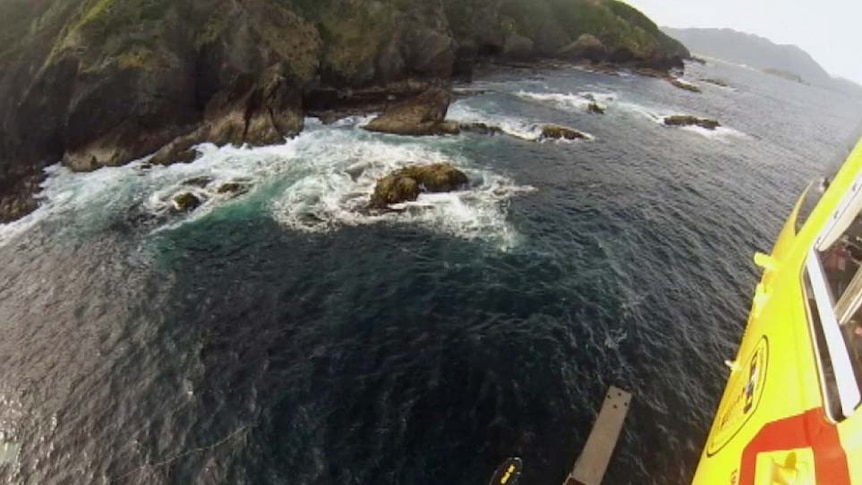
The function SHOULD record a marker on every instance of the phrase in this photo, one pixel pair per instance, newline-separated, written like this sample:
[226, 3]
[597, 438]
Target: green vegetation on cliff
[353, 34]
[616, 24]
[126, 33]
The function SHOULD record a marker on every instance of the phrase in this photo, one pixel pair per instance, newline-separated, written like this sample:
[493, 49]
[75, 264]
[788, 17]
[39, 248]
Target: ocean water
[288, 336]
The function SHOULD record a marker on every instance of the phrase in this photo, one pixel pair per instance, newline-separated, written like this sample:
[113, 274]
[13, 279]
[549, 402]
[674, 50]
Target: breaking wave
[331, 188]
[317, 182]
[529, 130]
[658, 115]
[462, 112]
[567, 102]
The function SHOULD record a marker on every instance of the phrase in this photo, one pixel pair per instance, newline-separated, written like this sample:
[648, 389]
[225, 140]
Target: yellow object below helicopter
[790, 414]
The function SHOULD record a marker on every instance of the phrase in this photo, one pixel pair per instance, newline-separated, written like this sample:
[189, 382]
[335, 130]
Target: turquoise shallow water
[288, 337]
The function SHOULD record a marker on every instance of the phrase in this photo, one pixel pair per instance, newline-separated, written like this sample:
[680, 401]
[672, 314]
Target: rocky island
[96, 83]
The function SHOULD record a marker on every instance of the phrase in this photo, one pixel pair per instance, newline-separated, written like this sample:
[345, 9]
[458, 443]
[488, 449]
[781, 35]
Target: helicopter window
[812, 197]
[833, 285]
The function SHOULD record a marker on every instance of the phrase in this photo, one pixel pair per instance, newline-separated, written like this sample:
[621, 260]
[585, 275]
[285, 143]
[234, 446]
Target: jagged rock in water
[687, 120]
[596, 108]
[233, 188]
[449, 128]
[555, 132]
[420, 116]
[683, 85]
[394, 189]
[180, 150]
[186, 202]
[200, 182]
[406, 184]
[481, 129]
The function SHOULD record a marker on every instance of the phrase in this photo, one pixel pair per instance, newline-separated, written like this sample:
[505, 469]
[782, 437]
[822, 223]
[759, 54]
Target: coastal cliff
[103, 82]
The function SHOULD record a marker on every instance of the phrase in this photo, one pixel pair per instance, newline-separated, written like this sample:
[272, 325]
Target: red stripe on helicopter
[807, 430]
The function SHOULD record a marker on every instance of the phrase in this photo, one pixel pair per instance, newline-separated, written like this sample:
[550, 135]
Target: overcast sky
[829, 30]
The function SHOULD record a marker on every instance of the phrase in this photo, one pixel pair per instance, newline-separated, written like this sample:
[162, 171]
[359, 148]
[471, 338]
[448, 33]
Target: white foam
[720, 133]
[658, 115]
[64, 193]
[599, 97]
[333, 187]
[653, 114]
[462, 112]
[356, 120]
[566, 102]
[328, 174]
[10, 231]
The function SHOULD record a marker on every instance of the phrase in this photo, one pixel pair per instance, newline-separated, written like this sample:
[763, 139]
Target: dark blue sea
[288, 336]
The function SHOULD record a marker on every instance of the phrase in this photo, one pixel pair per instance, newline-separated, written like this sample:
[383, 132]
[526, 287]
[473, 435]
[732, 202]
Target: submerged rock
[186, 202]
[555, 132]
[687, 120]
[420, 116]
[406, 184]
[718, 82]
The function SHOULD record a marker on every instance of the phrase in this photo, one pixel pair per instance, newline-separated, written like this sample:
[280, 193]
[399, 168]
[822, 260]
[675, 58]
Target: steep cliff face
[103, 82]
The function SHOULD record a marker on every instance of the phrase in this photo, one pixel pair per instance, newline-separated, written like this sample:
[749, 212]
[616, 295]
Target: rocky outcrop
[406, 184]
[420, 116]
[186, 202]
[101, 83]
[555, 132]
[129, 92]
[686, 120]
[330, 104]
[394, 189]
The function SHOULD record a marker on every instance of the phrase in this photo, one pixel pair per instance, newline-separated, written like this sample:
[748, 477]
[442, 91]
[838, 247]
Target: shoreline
[18, 197]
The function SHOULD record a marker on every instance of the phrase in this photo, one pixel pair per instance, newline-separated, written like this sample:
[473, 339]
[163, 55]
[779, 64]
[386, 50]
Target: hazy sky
[829, 30]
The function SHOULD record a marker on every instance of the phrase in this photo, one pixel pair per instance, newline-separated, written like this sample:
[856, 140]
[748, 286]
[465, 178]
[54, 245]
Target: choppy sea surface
[288, 336]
